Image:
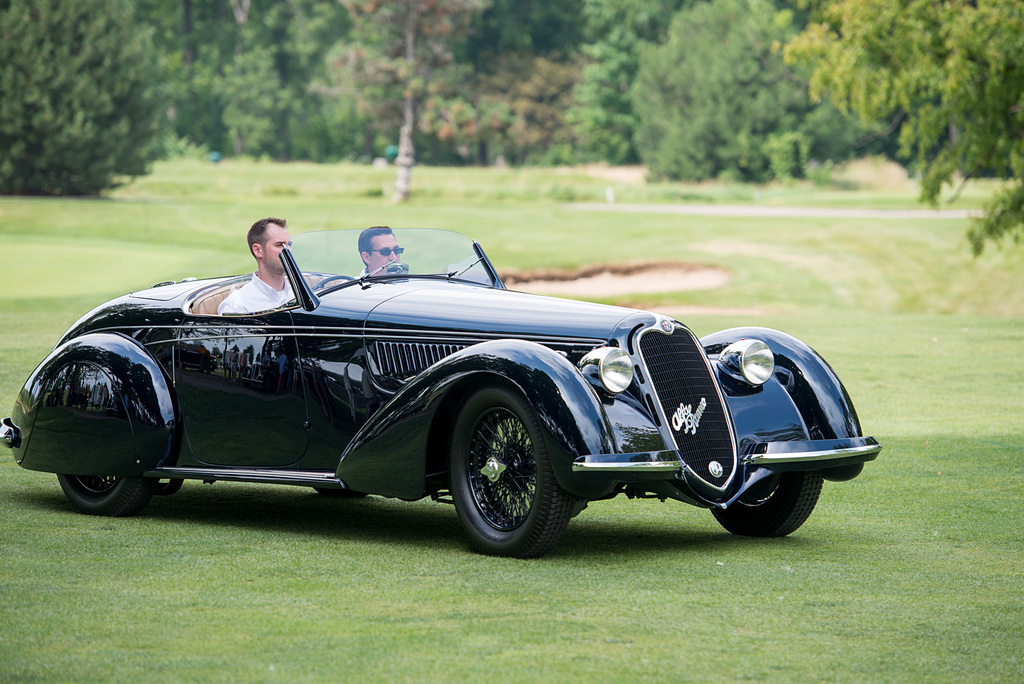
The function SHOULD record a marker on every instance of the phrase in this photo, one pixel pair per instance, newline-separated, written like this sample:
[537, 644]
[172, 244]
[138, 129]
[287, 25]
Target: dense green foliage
[716, 99]
[948, 73]
[247, 76]
[80, 102]
[513, 80]
[694, 89]
[603, 115]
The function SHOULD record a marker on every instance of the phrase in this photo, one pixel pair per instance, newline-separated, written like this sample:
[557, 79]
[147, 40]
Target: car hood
[489, 313]
[415, 307]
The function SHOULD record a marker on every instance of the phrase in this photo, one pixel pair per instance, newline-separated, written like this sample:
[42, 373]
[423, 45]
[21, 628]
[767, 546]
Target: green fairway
[911, 572]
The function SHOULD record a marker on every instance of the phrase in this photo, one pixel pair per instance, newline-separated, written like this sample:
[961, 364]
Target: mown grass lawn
[911, 572]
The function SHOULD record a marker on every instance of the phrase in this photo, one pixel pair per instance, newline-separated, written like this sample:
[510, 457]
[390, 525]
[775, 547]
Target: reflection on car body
[434, 380]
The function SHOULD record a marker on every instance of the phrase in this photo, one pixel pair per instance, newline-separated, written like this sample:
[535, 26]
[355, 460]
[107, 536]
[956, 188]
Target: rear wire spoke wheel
[504, 489]
[107, 495]
[773, 507]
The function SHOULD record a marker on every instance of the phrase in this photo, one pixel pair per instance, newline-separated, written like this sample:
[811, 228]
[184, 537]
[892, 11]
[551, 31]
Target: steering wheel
[323, 283]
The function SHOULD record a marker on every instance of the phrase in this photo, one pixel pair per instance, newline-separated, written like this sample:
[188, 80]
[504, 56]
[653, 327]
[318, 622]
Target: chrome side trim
[439, 335]
[215, 330]
[308, 478]
[854, 449]
[653, 461]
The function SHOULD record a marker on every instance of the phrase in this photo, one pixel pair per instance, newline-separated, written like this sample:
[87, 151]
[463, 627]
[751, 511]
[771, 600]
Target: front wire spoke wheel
[500, 441]
[502, 483]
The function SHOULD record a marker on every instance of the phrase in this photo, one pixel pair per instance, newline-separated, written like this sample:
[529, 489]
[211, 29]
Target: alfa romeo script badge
[685, 419]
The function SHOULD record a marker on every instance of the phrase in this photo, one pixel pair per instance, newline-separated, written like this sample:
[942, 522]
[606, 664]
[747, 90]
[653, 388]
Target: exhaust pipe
[10, 434]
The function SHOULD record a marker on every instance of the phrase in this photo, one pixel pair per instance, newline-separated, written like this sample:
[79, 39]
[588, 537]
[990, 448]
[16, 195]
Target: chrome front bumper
[805, 455]
[643, 462]
[829, 452]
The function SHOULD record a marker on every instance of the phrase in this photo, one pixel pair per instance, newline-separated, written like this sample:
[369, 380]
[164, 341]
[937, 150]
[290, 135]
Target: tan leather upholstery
[313, 278]
[207, 305]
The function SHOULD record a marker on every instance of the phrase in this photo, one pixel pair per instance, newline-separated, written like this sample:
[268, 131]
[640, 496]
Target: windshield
[424, 251]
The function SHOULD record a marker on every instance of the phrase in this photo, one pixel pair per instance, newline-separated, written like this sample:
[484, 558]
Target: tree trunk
[404, 161]
[406, 153]
[368, 141]
[186, 31]
[240, 8]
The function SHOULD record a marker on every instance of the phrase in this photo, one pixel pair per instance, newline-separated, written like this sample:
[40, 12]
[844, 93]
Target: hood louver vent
[405, 359]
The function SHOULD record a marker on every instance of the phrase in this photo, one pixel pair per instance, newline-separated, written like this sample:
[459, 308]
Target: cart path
[762, 211]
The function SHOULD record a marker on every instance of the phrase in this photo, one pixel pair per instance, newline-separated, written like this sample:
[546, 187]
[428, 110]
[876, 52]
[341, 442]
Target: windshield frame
[438, 254]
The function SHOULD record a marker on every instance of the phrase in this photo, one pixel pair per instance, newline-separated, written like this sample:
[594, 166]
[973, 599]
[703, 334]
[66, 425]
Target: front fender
[390, 453]
[823, 404]
[99, 404]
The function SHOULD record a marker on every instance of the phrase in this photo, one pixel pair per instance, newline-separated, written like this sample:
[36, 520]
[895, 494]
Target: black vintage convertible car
[430, 378]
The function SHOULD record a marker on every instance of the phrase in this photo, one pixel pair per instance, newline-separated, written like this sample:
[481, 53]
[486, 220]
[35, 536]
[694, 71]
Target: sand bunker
[630, 280]
[614, 280]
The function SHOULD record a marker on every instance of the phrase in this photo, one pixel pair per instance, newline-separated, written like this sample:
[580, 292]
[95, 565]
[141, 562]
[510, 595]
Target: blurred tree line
[527, 81]
[693, 89]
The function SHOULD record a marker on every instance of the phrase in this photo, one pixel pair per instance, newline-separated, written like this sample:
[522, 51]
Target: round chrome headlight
[609, 366]
[748, 360]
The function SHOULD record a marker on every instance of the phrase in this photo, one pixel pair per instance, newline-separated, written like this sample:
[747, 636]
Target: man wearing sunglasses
[378, 247]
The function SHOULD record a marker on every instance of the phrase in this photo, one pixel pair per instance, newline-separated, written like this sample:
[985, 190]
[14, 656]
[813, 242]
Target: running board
[304, 478]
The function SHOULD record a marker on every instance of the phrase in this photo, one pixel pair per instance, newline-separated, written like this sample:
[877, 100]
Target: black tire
[339, 493]
[103, 495]
[167, 487]
[774, 507]
[504, 489]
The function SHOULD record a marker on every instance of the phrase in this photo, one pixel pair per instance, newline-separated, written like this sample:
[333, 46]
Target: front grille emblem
[715, 468]
[684, 393]
[685, 419]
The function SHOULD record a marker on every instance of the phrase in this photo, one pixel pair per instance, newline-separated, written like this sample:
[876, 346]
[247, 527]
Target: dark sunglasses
[386, 251]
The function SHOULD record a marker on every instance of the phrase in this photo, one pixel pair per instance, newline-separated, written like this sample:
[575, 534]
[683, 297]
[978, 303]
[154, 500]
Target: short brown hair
[258, 232]
[366, 237]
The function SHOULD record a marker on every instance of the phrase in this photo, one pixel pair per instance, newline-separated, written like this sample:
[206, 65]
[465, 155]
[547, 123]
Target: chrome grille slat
[679, 373]
[405, 359]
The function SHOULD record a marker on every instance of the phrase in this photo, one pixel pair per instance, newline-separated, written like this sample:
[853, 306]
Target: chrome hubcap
[493, 469]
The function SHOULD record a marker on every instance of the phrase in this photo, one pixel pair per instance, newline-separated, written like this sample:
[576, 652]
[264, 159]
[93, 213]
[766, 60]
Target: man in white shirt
[268, 288]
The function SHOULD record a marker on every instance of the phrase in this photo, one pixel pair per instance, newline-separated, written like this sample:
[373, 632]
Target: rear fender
[99, 404]
[391, 453]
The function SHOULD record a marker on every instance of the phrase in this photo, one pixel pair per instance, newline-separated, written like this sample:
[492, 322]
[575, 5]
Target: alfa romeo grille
[405, 359]
[690, 403]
